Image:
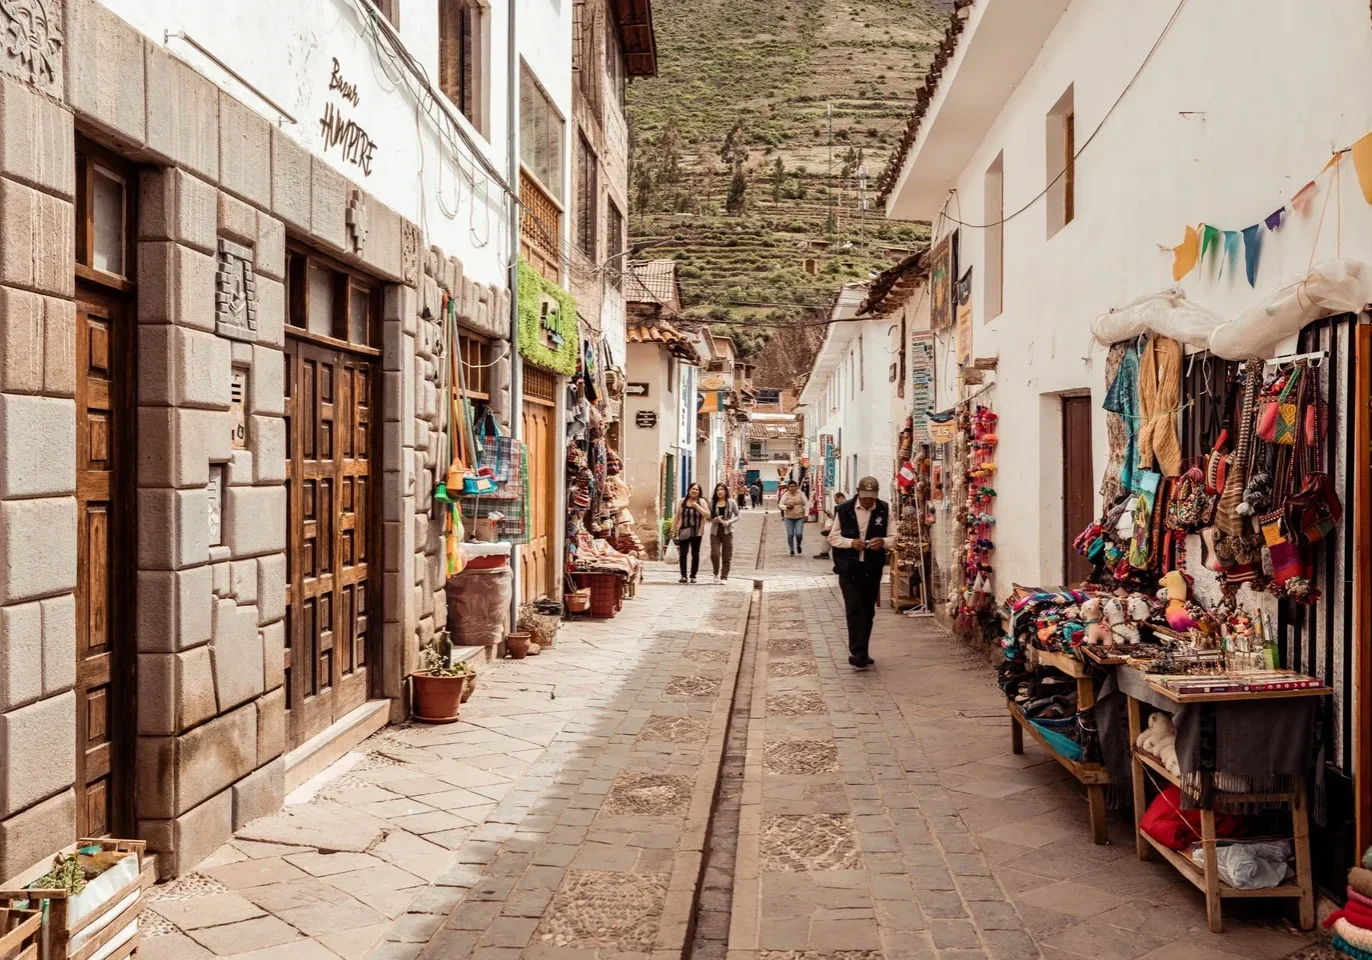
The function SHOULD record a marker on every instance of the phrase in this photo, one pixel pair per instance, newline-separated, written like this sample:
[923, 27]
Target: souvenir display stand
[1163, 669]
[604, 555]
[1205, 875]
[910, 555]
[1089, 774]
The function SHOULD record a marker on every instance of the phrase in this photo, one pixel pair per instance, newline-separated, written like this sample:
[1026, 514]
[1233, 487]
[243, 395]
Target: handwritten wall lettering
[353, 143]
[346, 90]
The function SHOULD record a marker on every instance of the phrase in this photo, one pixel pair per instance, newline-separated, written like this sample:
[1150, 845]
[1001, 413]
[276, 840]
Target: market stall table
[1091, 775]
[1139, 689]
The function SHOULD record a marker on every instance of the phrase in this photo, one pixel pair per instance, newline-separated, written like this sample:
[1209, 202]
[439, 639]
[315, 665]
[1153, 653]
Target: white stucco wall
[854, 404]
[645, 447]
[1242, 104]
[286, 50]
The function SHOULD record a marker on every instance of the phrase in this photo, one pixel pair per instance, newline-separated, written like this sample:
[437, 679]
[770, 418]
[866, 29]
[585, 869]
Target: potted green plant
[438, 683]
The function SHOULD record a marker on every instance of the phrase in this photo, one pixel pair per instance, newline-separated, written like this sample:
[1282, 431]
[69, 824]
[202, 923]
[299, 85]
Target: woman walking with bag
[794, 505]
[687, 528]
[723, 515]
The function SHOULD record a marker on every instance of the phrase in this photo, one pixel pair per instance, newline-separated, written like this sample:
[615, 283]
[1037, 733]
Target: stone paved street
[614, 797]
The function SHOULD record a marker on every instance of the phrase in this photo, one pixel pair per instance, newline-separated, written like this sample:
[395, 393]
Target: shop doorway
[333, 596]
[539, 572]
[106, 534]
[330, 397]
[1078, 485]
[104, 648]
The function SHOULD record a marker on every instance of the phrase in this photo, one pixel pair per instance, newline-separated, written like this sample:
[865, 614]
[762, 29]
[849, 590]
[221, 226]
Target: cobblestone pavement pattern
[568, 816]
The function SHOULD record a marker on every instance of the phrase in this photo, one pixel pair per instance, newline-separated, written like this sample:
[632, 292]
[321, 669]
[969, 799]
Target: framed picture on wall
[942, 277]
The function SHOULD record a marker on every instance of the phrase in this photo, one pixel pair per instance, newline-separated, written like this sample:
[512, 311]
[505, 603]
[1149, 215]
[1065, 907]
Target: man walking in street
[858, 545]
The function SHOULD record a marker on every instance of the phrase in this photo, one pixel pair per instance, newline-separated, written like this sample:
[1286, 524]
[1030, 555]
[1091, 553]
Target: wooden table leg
[1212, 872]
[1300, 823]
[1095, 799]
[1016, 737]
[1138, 776]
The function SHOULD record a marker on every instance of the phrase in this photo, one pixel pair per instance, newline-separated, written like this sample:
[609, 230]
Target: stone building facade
[218, 553]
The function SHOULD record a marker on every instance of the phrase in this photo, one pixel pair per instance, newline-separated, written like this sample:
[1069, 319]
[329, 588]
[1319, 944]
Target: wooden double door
[105, 532]
[540, 570]
[333, 581]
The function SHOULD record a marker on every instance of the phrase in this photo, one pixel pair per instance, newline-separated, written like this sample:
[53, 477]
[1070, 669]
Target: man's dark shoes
[859, 662]
[871, 662]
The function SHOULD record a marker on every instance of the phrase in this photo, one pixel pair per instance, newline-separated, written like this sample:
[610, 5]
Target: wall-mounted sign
[921, 382]
[645, 418]
[235, 292]
[338, 131]
[238, 387]
[346, 90]
[633, 389]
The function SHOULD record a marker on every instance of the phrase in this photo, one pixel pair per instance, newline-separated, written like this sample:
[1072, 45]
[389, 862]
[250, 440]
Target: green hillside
[750, 146]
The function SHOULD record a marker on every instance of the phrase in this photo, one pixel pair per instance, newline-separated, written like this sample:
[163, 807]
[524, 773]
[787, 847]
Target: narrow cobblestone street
[702, 776]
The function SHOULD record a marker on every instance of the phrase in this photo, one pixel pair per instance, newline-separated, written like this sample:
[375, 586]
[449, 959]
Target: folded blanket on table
[1357, 912]
[1347, 949]
[1356, 937]
[1360, 880]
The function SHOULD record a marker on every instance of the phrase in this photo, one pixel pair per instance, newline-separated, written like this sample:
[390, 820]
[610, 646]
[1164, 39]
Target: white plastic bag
[1331, 287]
[670, 554]
[1168, 313]
[1251, 866]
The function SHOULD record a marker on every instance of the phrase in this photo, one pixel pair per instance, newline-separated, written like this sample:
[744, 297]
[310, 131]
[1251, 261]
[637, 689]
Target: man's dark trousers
[861, 586]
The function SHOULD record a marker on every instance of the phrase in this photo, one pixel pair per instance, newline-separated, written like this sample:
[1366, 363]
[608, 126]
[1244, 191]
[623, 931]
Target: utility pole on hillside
[832, 223]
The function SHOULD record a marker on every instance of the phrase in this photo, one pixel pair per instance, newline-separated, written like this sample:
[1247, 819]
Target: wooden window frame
[89, 154]
[346, 280]
[586, 190]
[475, 353]
[528, 80]
[390, 9]
[463, 58]
[1069, 166]
[616, 80]
[614, 240]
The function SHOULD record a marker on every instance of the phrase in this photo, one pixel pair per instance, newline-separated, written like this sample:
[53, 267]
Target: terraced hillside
[756, 144]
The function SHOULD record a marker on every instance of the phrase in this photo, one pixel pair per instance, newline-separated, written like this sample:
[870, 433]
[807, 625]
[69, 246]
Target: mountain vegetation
[756, 150]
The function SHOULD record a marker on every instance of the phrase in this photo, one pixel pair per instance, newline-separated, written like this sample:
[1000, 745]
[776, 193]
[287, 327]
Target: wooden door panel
[104, 653]
[539, 576]
[329, 407]
[1078, 484]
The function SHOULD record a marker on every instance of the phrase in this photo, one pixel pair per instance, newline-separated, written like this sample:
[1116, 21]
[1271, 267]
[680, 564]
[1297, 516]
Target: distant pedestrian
[858, 542]
[723, 516]
[755, 491]
[794, 506]
[742, 497]
[826, 523]
[692, 514]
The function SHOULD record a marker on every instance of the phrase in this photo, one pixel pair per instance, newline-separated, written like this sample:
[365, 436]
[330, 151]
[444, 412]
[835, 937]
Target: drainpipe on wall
[516, 361]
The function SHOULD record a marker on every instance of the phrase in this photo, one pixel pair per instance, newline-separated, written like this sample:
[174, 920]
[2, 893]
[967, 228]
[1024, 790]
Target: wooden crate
[58, 932]
[20, 931]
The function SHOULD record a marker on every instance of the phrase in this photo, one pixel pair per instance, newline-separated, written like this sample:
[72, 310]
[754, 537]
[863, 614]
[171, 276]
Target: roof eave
[638, 39]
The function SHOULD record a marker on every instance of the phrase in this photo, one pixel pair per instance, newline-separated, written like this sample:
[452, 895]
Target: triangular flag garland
[1252, 247]
[1185, 256]
[1231, 250]
[1198, 241]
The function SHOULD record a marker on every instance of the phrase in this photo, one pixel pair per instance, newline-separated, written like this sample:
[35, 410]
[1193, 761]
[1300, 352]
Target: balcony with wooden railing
[540, 228]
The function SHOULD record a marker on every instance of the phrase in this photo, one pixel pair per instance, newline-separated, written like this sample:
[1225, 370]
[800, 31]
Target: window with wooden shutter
[586, 198]
[462, 57]
[614, 245]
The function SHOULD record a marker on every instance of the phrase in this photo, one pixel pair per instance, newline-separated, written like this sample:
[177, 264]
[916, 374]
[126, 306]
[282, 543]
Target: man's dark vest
[877, 526]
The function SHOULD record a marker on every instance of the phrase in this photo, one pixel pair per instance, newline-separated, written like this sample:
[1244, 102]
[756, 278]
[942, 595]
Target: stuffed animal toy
[1093, 615]
[1160, 740]
[1174, 592]
[1138, 608]
[1120, 630]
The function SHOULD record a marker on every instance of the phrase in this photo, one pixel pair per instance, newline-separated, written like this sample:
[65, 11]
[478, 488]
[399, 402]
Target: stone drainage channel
[708, 935]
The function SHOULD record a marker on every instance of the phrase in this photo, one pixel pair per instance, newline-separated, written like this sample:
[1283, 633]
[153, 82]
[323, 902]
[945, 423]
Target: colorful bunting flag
[1209, 238]
[1362, 163]
[1301, 201]
[1252, 248]
[1273, 220]
[1185, 255]
[1231, 250]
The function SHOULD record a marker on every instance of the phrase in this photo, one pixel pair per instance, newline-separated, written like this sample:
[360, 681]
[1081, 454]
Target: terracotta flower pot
[437, 699]
[517, 644]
